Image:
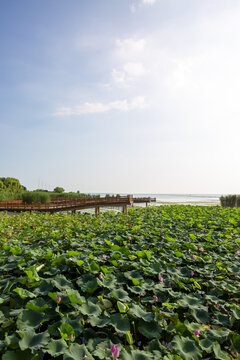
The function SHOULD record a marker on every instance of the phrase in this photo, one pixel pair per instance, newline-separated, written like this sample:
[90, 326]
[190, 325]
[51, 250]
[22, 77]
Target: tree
[10, 185]
[59, 190]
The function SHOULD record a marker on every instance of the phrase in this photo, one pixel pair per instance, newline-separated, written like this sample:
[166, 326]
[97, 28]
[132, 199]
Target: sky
[121, 96]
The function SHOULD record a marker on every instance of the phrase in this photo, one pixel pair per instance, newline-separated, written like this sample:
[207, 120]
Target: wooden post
[124, 209]
[130, 199]
[97, 210]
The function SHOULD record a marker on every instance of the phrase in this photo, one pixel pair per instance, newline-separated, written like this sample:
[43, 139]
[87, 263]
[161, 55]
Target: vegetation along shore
[156, 283]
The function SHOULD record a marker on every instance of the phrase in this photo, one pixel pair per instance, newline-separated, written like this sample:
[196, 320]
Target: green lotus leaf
[125, 355]
[221, 319]
[77, 352]
[236, 342]
[219, 335]
[38, 304]
[12, 341]
[108, 282]
[75, 297]
[32, 273]
[236, 312]
[33, 341]
[222, 355]
[29, 318]
[73, 253]
[90, 309]
[139, 312]
[206, 345]
[99, 321]
[150, 330]
[186, 348]
[80, 263]
[106, 269]
[129, 337]
[94, 267]
[190, 301]
[105, 304]
[56, 347]
[23, 293]
[90, 286]
[200, 315]
[76, 324]
[18, 355]
[61, 283]
[123, 308]
[121, 295]
[59, 261]
[120, 323]
[66, 331]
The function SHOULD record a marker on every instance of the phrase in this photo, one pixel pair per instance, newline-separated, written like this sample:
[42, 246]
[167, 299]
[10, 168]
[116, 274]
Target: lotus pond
[157, 283]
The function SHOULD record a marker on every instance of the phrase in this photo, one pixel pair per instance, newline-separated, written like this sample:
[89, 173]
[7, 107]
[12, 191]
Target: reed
[30, 197]
[230, 201]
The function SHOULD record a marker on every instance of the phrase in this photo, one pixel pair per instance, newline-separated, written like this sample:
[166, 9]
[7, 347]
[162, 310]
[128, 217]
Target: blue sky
[121, 96]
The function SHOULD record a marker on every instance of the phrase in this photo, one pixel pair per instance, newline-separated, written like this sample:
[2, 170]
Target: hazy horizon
[132, 96]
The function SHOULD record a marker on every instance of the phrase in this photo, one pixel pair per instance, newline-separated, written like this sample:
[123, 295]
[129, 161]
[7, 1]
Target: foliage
[73, 195]
[11, 185]
[230, 201]
[59, 190]
[30, 197]
[6, 196]
[157, 283]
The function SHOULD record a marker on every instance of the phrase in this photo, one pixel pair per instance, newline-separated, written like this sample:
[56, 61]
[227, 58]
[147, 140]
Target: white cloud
[134, 69]
[128, 68]
[136, 103]
[128, 74]
[130, 47]
[148, 2]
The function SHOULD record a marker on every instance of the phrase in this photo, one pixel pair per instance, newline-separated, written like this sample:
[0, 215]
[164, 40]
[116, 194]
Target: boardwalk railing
[74, 204]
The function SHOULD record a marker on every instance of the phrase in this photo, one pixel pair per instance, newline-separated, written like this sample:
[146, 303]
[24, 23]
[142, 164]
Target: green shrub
[59, 190]
[230, 201]
[73, 195]
[6, 195]
[10, 184]
[30, 197]
[238, 201]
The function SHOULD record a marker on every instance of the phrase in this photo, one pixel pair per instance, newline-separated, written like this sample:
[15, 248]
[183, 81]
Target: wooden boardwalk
[74, 204]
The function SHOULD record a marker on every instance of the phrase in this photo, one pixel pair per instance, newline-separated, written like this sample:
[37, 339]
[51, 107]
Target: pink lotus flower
[238, 252]
[116, 353]
[39, 242]
[237, 274]
[100, 276]
[59, 299]
[200, 249]
[192, 272]
[170, 283]
[197, 333]
[155, 298]
[130, 238]
[104, 257]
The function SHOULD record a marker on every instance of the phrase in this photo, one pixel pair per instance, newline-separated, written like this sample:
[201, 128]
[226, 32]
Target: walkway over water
[74, 204]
